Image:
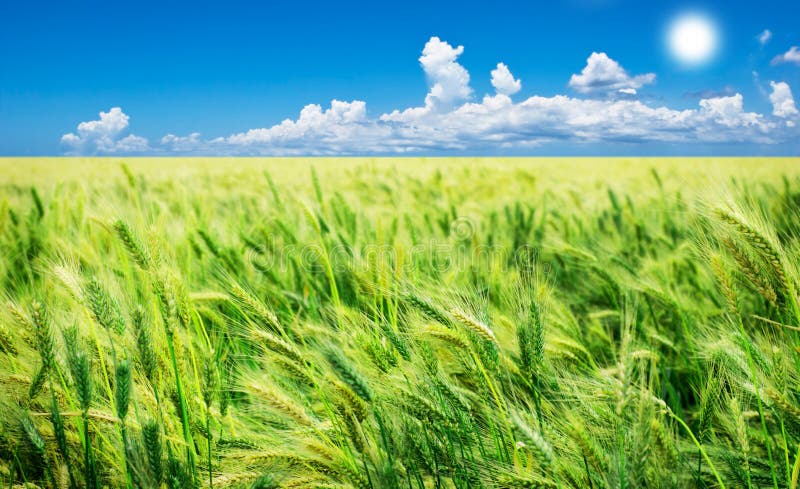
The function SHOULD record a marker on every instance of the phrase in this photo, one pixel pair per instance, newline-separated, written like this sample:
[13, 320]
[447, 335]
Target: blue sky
[220, 77]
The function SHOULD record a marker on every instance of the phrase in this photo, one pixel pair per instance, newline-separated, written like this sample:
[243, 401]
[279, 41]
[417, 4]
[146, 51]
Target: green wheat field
[399, 323]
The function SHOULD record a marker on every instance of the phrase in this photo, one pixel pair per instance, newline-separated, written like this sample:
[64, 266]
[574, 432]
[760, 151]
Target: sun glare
[692, 39]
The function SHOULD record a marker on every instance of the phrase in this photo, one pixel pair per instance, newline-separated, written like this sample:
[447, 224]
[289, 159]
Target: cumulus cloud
[729, 112]
[603, 74]
[110, 123]
[449, 80]
[104, 135]
[790, 56]
[193, 143]
[496, 122]
[334, 129]
[450, 120]
[782, 100]
[129, 144]
[764, 37]
[503, 81]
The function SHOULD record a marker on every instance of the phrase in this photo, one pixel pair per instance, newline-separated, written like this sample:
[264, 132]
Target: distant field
[28, 171]
[400, 323]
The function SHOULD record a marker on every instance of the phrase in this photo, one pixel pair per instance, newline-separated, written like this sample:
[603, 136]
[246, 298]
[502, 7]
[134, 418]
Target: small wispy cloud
[764, 37]
[725, 91]
[790, 56]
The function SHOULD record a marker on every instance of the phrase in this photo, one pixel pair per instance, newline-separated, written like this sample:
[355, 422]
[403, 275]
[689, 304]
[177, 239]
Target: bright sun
[692, 39]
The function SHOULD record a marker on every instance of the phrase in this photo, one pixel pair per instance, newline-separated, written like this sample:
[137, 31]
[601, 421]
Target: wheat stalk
[139, 253]
[477, 327]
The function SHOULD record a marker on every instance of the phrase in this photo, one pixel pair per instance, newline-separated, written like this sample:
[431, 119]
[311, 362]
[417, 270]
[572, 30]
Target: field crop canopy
[400, 323]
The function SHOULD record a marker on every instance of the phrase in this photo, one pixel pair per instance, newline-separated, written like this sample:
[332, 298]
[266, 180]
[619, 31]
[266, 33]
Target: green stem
[21, 469]
[751, 363]
[208, 444]
[699, 447]
[72, 484]
[786, 452]
[128, 478]
[621, 448]
[187, 434]
[795, 469]
[90, 469]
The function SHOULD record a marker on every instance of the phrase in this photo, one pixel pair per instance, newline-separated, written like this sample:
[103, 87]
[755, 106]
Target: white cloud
[70, 139]
[603, 74]
[764, 37]
[503, 81]
[449, 80]
[342, 128]
[449, 122]
[790, 56]
[782, 100]
[129, 144]
[497, 123]
[171, 139]
[109, 124]
[104, 136]
[729, 112]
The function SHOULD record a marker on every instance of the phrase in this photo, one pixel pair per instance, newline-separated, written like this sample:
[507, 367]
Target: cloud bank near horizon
[606, 108]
